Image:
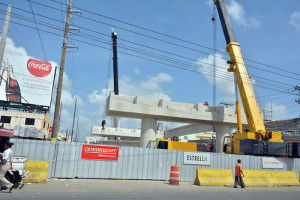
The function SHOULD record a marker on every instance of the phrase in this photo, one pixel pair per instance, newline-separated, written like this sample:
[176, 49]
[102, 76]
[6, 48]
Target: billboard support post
[4, 34]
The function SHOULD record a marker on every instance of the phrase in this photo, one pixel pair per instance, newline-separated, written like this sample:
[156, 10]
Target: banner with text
[193, 158]
[272, 163]
[100, 152]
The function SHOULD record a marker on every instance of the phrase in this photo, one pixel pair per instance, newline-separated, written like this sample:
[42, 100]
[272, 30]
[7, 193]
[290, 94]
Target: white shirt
[7, 155]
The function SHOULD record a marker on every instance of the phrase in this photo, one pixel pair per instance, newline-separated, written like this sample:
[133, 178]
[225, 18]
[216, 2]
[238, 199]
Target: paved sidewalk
[141, 189]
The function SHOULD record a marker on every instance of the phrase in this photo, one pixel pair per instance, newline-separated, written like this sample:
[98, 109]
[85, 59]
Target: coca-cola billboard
[27, 81]
[39, 68]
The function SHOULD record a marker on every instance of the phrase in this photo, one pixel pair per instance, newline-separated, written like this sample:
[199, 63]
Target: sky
[165, 51]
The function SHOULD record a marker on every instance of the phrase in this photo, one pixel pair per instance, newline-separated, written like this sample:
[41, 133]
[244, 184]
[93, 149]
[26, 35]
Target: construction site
[241, 128]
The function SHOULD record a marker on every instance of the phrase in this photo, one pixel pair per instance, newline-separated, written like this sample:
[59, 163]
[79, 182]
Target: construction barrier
[257, 178]
[37, 171]
[270, 178]
[213, 177]
[174, 175]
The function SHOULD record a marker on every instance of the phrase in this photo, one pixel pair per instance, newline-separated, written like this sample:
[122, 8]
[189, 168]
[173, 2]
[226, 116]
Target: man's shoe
[234, 187]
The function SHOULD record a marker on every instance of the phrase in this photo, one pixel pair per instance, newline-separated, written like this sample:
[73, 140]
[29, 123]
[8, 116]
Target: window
[29, 121]
[162, 145]
[5, 119]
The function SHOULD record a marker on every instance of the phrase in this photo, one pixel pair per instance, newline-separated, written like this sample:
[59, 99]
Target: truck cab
[172, 145]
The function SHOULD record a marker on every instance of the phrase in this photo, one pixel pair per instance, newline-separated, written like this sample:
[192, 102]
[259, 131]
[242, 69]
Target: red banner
[100, 152]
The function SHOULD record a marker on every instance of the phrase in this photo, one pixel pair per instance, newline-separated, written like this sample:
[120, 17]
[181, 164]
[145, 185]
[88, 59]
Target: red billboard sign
[39, 68]
[100, 152]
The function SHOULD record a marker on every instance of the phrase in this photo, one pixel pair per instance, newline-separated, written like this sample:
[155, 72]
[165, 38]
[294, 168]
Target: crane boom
[242, 78]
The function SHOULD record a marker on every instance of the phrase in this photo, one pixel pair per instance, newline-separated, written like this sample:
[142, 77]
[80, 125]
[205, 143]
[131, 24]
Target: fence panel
[134, 163]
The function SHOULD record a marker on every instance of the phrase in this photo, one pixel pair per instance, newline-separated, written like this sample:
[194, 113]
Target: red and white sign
[100, 152]
[272, 163]
[39, 68]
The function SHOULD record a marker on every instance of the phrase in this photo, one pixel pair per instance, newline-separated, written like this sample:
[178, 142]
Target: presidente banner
[100, 152]
[29, 82]
[195, 158]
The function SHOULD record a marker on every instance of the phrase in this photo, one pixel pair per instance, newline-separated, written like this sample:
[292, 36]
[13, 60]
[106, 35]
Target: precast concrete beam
[221, 131]
[163, 110]
[188, 129]
[147, 131]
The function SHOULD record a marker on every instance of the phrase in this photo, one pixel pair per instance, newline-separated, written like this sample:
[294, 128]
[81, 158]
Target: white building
[25, 124]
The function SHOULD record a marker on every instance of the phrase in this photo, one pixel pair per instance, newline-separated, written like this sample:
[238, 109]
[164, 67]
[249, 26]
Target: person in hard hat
[238, 174]
[6, 164]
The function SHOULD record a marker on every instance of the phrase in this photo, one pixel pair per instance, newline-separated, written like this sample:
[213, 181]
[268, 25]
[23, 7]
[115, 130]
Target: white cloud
[295, 20]
[210, 4]
[149, 88]
[237, 13]
[279, 112]
[94, 109]
[137, 71]
[224, 79]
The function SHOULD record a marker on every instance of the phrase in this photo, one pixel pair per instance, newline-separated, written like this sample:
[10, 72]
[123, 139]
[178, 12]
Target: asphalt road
[137, 189]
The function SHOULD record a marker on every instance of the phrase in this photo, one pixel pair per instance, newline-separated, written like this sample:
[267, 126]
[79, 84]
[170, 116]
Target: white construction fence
[139, 163]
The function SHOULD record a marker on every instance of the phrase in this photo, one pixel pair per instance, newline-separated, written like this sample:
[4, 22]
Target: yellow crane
[258, 140]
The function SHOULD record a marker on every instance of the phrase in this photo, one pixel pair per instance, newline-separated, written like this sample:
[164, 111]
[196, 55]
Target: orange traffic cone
[174, 175]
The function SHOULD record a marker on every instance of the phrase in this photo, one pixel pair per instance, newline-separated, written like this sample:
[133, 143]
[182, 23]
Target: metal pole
[61, 73]
[116, 120]
[4, 33]
[115, 62]
[74, 120]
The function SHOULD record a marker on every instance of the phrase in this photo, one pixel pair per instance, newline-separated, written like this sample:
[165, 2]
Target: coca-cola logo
[39, 68]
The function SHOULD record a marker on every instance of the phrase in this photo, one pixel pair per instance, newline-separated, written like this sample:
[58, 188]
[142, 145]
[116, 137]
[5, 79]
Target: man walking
[238, 174]
[6, 164]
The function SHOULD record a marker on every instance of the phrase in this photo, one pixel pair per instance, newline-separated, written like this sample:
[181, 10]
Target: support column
[221, 130]
[148, 131]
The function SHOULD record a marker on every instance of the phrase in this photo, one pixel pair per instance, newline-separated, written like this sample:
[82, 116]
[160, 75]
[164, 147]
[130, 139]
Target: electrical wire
[177, 55]
[53, 26]
[38, 31]
[163, 34]
[139, 56]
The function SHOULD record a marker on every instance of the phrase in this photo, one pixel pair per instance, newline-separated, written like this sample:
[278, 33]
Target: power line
[43, 23]
[176, 38]
[38, 31]
[60, 29]
[280, 74]
[53, 26]
[146, 58]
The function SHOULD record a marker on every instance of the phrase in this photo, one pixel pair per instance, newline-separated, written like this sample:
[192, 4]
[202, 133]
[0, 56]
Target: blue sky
[269, 34]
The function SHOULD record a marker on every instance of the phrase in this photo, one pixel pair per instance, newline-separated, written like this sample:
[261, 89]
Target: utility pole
[61, 70]
[4, 34]
[297, 88]
[74, 120]
[76, 135]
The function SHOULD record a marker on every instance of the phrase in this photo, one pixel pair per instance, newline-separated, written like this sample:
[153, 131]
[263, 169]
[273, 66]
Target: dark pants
[236, 179]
